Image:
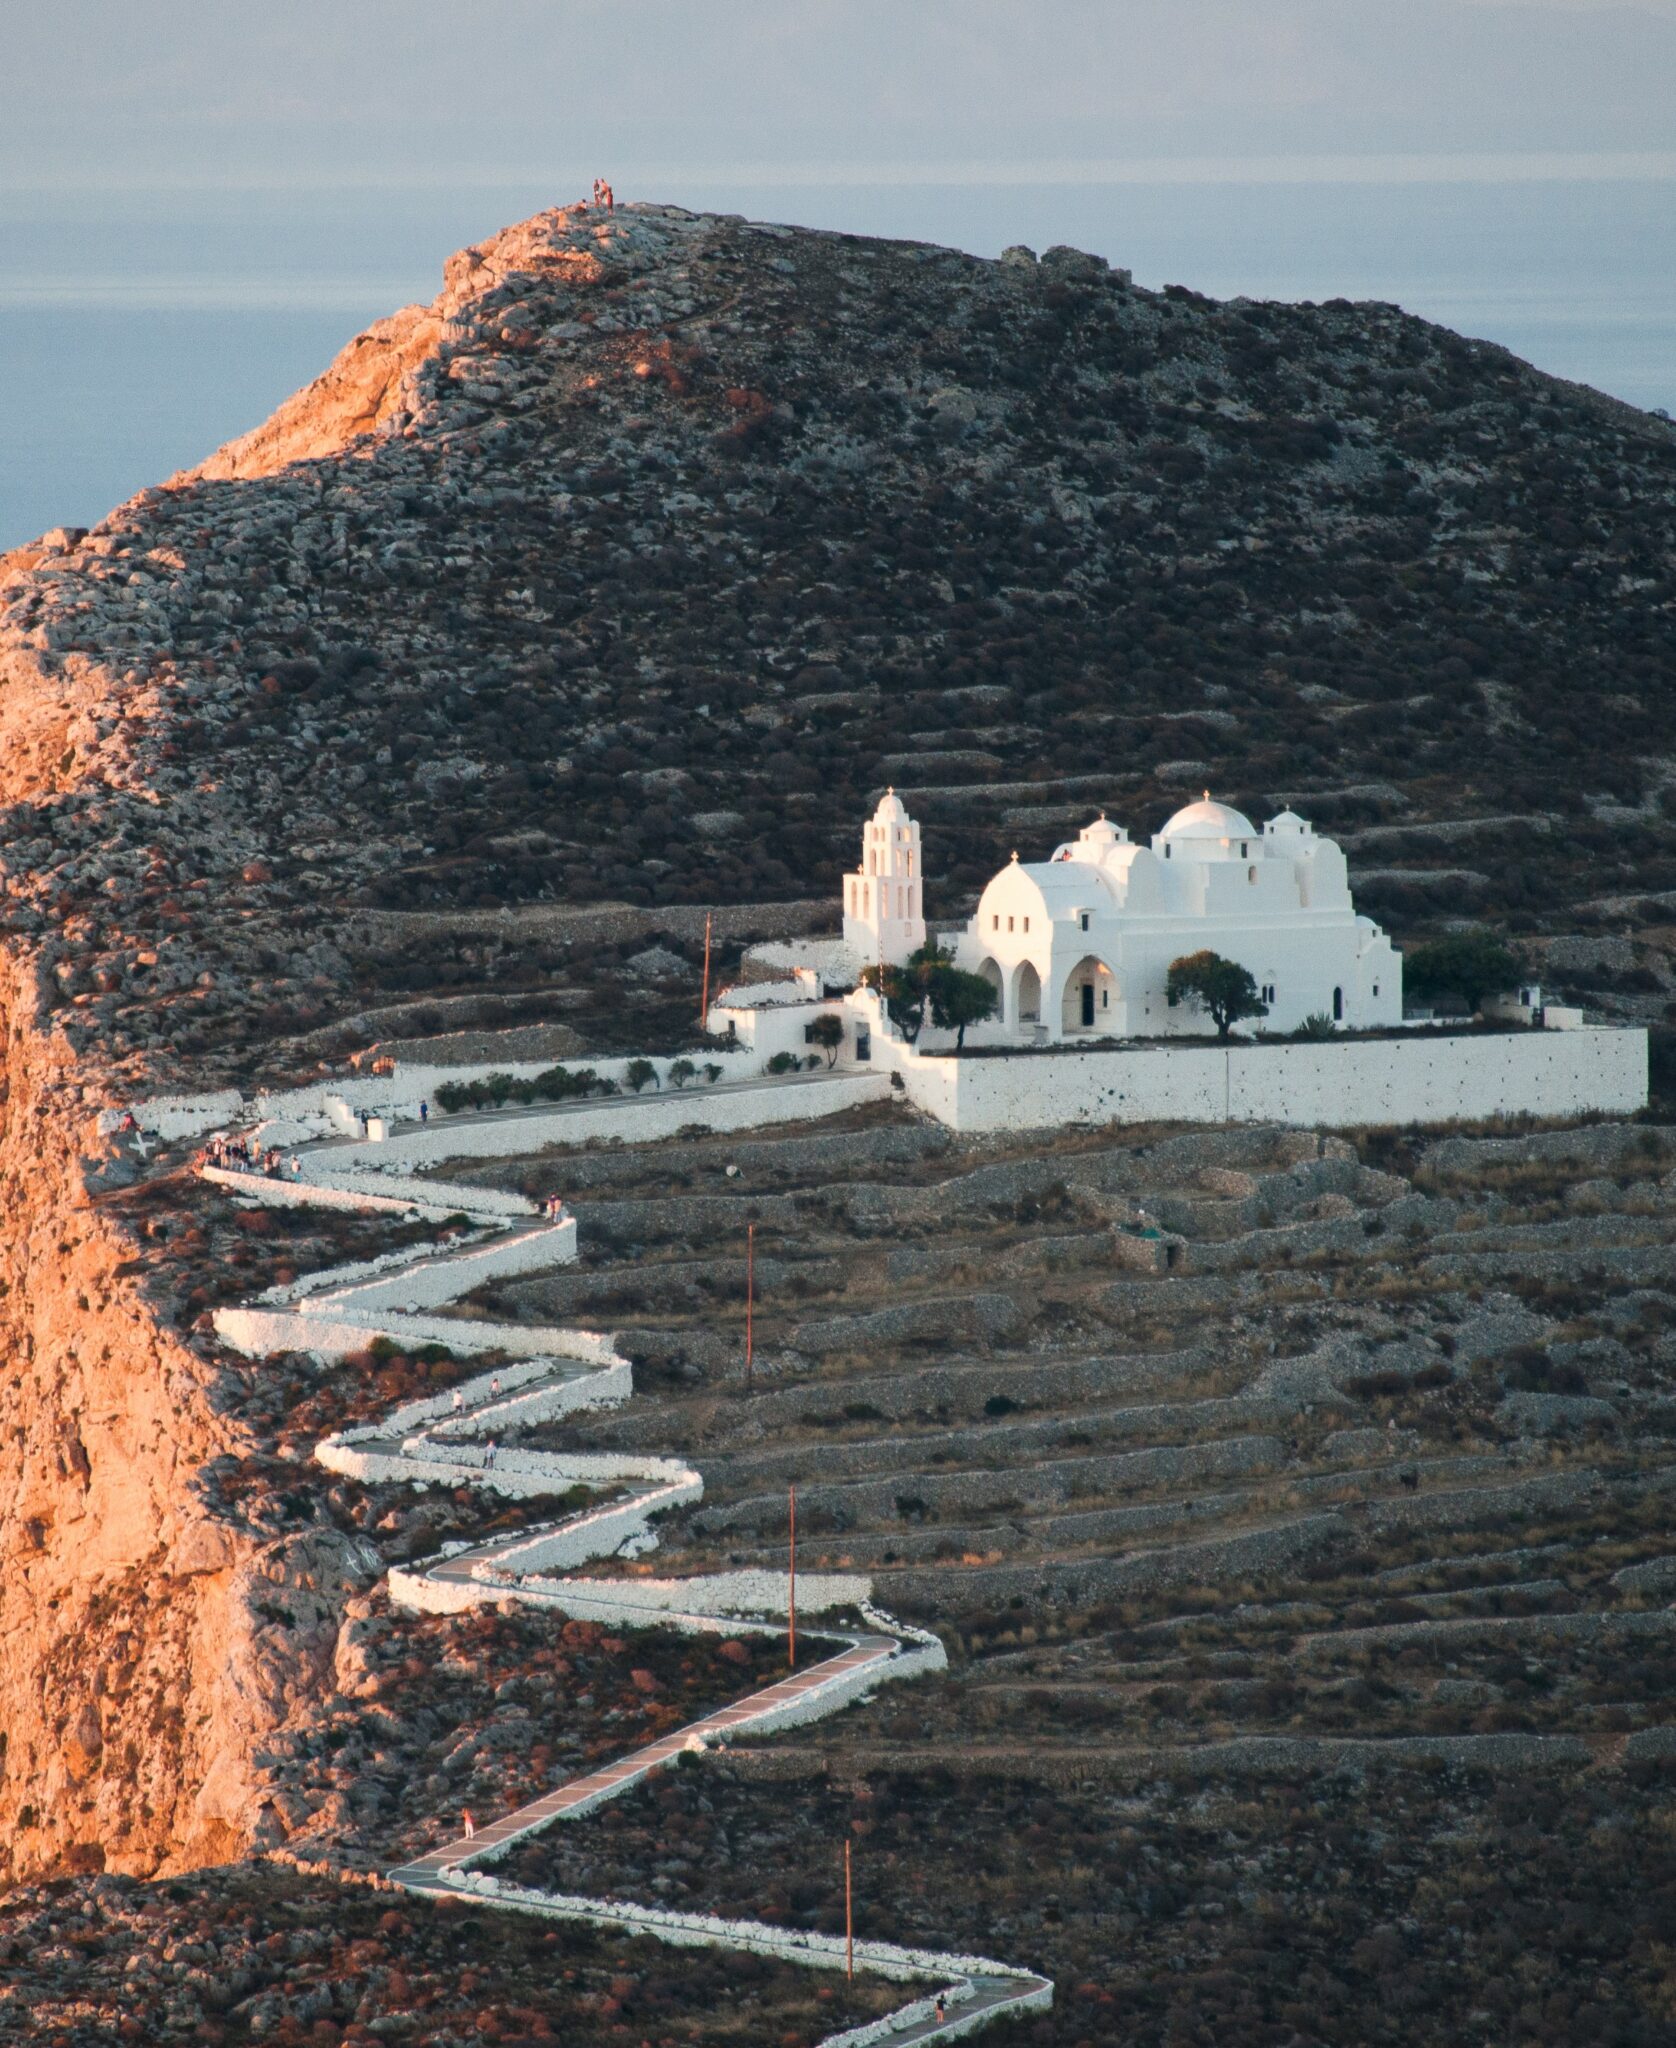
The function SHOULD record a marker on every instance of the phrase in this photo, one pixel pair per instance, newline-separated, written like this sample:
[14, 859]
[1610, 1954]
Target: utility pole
[791, 1604]
[849, 1917]
[750, 1301]
[704, 1000]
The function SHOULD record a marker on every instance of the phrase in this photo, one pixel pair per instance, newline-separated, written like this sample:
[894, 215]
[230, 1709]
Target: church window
[1338, 1006]
[1245, 848]
[1168, 849]
[1105, 999]
[995, 920]
[1085, 920]
[1027, 924]
[1251, 874]
[1009, 924]
[1376, 988]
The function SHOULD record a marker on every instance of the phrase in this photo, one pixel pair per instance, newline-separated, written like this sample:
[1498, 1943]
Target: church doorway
[1090, 997]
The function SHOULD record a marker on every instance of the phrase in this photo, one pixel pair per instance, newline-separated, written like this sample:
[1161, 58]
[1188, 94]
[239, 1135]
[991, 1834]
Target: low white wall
[259, 1332]
[635, 1119]
[303, 1194]
[513, 1379]
[338, 1279]
[755, 1937]
[177, 1116]
[445, 1276]
[414, 1081]
[1419, 1079]
[354, 1168]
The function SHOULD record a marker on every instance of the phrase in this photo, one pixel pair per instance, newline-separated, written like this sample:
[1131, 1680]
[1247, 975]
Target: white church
[1080, 945]
[1078, 949]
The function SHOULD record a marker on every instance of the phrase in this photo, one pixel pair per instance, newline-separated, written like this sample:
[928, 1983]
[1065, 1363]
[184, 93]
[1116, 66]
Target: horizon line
[1434, 167]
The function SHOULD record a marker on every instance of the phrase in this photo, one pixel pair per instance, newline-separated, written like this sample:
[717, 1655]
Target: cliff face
[624, 574]
[141, 1667]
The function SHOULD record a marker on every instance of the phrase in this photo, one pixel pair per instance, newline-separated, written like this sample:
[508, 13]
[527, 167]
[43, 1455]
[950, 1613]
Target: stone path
[977, 1990]
[604, 1783]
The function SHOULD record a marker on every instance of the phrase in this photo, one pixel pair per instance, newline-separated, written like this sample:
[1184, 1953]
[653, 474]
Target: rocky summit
[626, 571]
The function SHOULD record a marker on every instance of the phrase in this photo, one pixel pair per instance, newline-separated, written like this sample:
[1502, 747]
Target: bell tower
[884, 908]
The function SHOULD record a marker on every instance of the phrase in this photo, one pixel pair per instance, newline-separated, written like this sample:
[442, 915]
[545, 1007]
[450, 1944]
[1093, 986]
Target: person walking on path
[424, 1112]
[459, 1400]
[467, 1825]
[489, 1455]
[942, 2004]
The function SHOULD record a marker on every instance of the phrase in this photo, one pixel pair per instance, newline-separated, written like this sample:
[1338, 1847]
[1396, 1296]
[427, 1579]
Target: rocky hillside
[625, 573]
[606, 590]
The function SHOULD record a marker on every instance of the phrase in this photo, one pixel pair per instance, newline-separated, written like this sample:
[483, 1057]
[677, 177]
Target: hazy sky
[310, 92]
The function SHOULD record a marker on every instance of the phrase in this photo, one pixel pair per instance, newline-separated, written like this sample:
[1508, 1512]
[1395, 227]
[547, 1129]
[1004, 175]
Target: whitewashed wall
[258, 1332]
[302, 1194]
[634, 1119]
[444, 1276]
[1420, 1079]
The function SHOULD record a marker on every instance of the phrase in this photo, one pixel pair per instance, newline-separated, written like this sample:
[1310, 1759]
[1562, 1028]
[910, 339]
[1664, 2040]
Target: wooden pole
[849, 1917]
[704, 1000]
[750, 1299]
[791, 1605]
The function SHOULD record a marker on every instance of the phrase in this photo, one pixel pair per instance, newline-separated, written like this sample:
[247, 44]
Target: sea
[141, 329]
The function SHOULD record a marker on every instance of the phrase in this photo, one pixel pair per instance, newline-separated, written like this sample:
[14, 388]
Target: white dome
[1208, 820]
[891, 811]
[1101, 833]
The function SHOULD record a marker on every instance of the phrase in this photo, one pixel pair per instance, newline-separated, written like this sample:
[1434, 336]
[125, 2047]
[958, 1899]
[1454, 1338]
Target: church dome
[1208, 820]
[1101, 833]
[892, 810]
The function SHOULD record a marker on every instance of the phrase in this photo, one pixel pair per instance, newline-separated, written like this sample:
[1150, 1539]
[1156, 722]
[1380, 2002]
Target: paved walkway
[977, 1992]
[639, 1763]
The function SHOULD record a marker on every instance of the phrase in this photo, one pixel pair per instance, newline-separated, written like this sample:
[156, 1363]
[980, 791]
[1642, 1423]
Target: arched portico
[1088, 998]
[1025, 1010]
[990, 969]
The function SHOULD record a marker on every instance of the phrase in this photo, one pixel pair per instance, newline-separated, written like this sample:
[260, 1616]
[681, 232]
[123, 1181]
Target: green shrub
[784, 1063]
[681, 1072]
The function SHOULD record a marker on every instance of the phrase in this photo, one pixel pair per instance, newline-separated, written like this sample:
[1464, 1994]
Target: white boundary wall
[635, 1119]
[1463, 1078]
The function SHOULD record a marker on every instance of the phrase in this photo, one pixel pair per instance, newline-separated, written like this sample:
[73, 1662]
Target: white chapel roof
[891, 809]
[1209, 820]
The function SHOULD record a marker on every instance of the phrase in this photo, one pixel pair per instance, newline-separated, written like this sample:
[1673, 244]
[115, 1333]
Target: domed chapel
[1080, 945]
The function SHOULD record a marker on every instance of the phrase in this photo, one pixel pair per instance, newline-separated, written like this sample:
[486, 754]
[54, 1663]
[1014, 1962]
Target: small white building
[1080, 946]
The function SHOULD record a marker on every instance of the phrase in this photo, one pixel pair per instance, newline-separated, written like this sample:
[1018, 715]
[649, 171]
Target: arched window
[1338, 1006]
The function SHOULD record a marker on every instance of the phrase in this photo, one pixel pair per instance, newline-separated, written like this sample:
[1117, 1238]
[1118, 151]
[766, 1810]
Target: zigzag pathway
[431, 1440]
